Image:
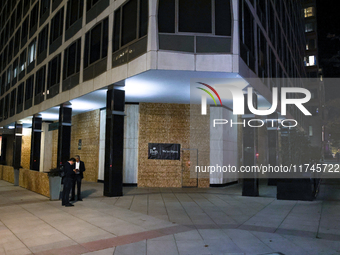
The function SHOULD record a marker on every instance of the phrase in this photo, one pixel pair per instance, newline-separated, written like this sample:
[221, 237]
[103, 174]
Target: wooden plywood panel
[86, 126]
[167, 123]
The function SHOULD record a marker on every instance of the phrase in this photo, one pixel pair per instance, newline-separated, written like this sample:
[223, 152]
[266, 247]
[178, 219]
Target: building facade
[76, 54]
[316, 127]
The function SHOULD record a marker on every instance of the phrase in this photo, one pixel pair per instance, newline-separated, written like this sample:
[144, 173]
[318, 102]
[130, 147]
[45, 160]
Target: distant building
[316, 124]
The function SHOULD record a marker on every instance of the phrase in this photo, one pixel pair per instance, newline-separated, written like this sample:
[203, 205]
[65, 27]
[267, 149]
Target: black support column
[35, 143]
[3, 149]
[64, 134]
[273, 145]
[17, 151]
[114, 143]
[250, 146]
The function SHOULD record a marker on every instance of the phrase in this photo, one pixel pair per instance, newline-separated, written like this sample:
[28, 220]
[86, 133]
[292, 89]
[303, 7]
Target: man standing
[68, 180]
[79, 168]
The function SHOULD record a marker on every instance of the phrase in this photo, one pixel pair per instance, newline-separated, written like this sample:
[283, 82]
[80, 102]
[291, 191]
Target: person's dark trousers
[66, 191]
[77, 180]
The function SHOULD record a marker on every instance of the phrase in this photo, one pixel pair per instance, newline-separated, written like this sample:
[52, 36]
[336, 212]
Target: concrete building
[70, 70]
[316, 126]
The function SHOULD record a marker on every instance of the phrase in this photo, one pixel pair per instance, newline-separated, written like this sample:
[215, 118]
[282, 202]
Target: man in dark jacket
[68, 181]
[79, 168]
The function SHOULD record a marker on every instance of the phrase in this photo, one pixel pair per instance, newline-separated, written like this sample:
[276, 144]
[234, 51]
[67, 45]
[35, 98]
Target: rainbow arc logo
[209, 93]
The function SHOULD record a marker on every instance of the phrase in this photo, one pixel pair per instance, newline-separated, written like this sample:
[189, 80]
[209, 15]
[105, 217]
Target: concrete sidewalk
[169, 221]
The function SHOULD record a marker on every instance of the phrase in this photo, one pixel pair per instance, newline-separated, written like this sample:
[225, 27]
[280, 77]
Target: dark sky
[328, 20]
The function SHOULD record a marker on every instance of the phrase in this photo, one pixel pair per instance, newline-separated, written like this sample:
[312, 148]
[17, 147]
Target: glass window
[72, 59]
[44, 7]
[34, 16]
[3, 17]
[129, 22]
[9, 75]
[166, 16]
[42, 40]
[6, 106]
[74, 11]
[309, 12]
[2, 37]
[310, 60]
[26, 6]
[13, 102]
[262, 58]
[222, 17]
[3, 83]
[96, 41]
[10, 50]
[127, 26]
[40, 81]
[310, 44]
[195, 16]
[211, 17]
[20, 97]
[54, 71]
[7, 32]
[105, 38]
[1, 112]
[57, 25]
[5, 57]
[8, 10]
[12, 22]
[17, 39]
[143, 18]
[32, 51]
[19, 13]
[15, 68]
[24, 29]
[29, 88]
[261, 11]
[116, 31]
[87, 47]
[248, 29]
[90, 4]
[309, 27]
[22, 61]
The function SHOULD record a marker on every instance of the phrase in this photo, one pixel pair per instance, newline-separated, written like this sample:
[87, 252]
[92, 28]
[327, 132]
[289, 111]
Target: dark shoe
[72, 199]
[68, 205]
[79, 199]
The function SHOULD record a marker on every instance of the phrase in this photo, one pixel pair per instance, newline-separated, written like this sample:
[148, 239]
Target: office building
[69, 69]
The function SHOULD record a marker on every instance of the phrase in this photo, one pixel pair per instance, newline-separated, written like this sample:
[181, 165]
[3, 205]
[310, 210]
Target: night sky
[328, 22]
